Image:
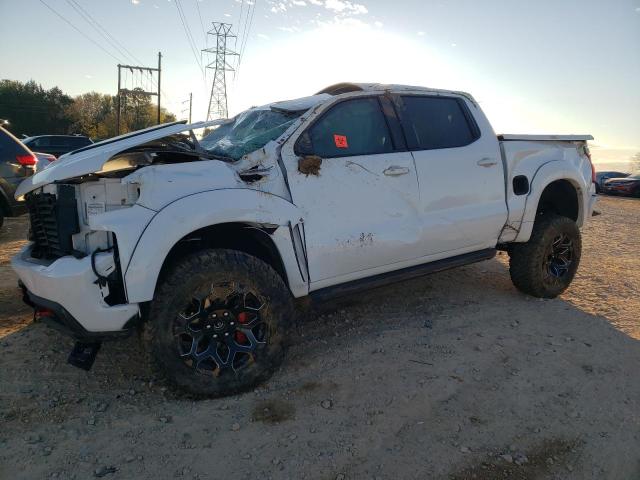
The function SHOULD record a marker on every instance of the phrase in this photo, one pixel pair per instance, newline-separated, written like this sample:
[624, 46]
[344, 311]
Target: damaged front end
[85, 219]
[89, 209]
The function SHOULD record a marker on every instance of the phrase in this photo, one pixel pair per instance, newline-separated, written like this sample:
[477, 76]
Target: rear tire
[218, 323]
[545, 266]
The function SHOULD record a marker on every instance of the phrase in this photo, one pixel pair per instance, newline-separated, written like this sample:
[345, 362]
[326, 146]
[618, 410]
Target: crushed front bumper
[67, 288]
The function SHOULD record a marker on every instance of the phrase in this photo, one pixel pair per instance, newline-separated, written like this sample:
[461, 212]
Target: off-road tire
[527, 260]
[216, 266]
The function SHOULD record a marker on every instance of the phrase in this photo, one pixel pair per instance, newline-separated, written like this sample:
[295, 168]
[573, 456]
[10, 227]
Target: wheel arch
[557, 187]
[251, 221]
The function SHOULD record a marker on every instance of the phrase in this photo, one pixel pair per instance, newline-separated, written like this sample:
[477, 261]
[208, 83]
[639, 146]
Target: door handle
[487, 162]
[394, 171]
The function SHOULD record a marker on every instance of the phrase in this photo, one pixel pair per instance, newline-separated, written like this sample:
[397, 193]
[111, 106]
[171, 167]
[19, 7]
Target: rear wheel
[545, 265]
[218, 323]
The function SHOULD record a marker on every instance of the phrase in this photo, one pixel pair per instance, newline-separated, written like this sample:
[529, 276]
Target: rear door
[361, 205]
[457, 157]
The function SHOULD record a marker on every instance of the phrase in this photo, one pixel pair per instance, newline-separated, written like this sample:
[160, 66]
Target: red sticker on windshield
[341, 141]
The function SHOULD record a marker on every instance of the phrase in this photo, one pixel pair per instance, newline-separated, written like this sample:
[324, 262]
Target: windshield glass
[635, 176]
[248, 132]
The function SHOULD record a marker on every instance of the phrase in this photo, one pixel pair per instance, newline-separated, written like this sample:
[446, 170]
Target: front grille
[54, 219]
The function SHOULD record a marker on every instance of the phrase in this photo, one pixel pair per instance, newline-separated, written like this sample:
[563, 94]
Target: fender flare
[193, 212]
[545, 175]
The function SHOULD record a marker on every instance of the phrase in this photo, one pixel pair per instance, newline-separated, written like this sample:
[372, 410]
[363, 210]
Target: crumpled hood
[91, 159]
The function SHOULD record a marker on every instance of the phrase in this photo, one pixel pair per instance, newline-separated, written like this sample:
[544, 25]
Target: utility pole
[123, 92]
[159, 77]
[218, 107]
[190, 103]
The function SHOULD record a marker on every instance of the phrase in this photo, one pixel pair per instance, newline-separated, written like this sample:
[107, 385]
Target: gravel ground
[452, 376]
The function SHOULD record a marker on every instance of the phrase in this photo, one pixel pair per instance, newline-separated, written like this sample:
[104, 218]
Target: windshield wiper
[215, 156]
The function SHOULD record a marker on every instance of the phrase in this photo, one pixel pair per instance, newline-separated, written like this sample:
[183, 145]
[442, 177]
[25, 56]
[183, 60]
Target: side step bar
[403, 274]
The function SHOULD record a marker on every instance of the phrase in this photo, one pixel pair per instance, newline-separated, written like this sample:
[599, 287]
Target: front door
[360, 203]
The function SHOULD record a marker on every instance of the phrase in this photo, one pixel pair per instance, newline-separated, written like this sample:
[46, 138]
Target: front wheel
[545, 265]
[218, 321]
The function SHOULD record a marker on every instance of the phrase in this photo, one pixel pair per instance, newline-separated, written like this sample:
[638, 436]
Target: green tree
[32, 110]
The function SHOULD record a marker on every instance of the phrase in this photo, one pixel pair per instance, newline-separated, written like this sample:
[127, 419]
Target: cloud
[316, 2]
[227, 15]
[421, 34]
[299, 3]
[135, 2]
[289, 29]
[345, 6]
[263, 36]
[278, 7]
[378, 24]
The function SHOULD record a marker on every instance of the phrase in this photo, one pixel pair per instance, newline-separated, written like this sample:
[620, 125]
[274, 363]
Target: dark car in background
[628, 186]
[56, 144]
[602, 177]
[16, 163]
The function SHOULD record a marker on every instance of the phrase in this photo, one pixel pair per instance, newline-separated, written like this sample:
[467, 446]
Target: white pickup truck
[207, 242]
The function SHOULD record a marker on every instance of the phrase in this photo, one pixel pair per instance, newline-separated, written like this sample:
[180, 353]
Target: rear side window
[436, 122]
[352, 127]
[77, 142]
[61, 142]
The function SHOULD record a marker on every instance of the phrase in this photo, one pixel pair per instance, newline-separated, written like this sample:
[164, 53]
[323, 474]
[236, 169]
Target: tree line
[30, 109]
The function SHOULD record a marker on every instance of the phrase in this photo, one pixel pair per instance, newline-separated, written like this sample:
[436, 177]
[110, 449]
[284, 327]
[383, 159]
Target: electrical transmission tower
[218, 100]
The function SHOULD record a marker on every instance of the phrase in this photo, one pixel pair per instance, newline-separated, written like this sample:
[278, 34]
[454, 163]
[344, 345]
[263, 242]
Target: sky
[544, 66]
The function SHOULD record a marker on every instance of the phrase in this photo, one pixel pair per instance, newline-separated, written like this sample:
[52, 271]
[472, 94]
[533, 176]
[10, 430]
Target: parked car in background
[56, 144]
[628, 186]
[602, 177]
[44, 159]
[16, 163]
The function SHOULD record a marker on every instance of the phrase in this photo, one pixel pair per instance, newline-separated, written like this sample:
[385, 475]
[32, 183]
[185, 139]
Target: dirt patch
[431, 378]
[538, 462]
[273, 411]
[310, 165]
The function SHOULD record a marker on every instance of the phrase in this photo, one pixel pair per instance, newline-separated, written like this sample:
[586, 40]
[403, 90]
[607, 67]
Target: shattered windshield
[248, 132]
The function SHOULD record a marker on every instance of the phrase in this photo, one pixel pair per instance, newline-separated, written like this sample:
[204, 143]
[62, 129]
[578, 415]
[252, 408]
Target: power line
[244, 32]
[80, 32]
[204, 33]
[246, 37]
[95, 24]
[239, 23]
[187, 32]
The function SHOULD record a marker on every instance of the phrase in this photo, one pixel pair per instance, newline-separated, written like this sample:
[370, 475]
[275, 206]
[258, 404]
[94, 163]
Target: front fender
[205, 209]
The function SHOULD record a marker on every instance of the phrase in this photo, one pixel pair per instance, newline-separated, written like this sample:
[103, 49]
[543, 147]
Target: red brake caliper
[241, 338]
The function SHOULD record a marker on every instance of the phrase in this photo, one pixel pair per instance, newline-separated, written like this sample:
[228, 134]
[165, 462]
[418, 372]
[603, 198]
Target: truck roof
[348, 87]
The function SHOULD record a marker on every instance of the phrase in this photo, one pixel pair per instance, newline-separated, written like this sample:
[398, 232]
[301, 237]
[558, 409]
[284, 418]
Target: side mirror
[304, 146]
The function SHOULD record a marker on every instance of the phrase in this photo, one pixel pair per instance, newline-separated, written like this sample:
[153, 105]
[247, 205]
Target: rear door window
[436, 122]
[352, 127]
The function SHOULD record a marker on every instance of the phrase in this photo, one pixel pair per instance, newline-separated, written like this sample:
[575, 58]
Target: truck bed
[533, 138]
